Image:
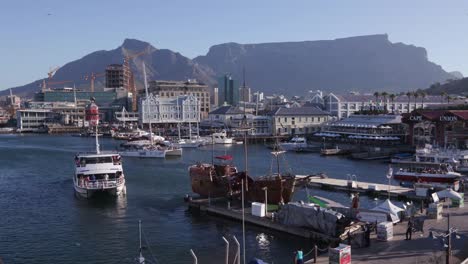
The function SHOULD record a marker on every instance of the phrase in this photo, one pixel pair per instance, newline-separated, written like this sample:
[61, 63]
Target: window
[285, 119]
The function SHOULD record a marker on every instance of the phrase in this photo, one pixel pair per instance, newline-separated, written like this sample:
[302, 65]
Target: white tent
[449, 193]
[391, 209]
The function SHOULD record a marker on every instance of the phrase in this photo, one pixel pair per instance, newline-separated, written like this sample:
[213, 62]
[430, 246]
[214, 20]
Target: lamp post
[266, 200]
[389, 177]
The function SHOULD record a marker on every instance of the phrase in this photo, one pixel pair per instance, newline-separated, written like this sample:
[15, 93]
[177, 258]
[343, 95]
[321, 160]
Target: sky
[39, 34]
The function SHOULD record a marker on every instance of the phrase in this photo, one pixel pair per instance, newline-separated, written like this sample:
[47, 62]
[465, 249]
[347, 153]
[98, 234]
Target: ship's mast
[148, 104]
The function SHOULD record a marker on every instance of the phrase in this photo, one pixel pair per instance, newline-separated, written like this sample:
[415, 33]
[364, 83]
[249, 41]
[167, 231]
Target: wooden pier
[204, 205]
[376, 189]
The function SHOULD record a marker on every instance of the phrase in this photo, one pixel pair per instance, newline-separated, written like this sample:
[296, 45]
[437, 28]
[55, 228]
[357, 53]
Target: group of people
[84, 181]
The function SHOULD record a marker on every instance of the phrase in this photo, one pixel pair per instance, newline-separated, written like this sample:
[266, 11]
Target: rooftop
[297, 111]
[227, 110]
[369, 120]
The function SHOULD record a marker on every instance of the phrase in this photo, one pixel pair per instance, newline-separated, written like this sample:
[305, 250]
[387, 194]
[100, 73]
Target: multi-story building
[297, 120]
[32, 120]
[343, 106]
[258, 125]
[117, 76]
[228, 90]
[163, 110]
[175, 89]
[245, 94]
[4, 116]
[225, 114]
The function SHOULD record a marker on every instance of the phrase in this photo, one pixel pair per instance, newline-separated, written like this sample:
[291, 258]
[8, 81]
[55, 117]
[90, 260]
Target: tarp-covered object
[449, 193]
[322, 220]
[391, 209]
[257, 261]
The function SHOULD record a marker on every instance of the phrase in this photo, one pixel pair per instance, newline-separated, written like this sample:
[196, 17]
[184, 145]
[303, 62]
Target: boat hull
[425, 178]
[143, 154]
[174, 152]
[210, 181]
[89, 193]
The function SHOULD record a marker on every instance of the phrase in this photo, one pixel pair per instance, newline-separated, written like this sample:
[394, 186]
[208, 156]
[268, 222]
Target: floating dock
[205, 206]
[377, 189]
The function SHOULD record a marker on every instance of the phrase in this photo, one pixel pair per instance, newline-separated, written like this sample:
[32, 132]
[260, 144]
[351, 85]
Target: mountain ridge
[360, 63]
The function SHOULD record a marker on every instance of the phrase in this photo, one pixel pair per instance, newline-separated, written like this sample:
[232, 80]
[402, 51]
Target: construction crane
[91, 77]
[130, 79]
[52, 71]
[50, 74]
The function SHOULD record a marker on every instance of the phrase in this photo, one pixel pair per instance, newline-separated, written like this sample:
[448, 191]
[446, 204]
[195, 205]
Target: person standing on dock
[299, 257]
[409, 230]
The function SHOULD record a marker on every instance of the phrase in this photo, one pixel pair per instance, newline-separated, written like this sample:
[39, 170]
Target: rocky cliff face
[366, 63]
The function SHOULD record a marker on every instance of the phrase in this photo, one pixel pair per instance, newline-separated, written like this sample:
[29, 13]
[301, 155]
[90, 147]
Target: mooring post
[238, 250]
[195, 260]
[227, 250]
[315, 253]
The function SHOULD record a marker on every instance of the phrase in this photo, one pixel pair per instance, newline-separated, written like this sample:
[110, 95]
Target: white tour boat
[296, 143]
[219, 138]
[434, 157]
[99, 171]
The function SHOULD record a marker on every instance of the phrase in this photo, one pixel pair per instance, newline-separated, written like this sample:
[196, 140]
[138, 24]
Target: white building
[32, 120]
[181, 109]
[297, 120]
[343, 106]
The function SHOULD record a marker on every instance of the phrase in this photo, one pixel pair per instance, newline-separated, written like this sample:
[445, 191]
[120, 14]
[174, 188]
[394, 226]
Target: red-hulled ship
[212, 179]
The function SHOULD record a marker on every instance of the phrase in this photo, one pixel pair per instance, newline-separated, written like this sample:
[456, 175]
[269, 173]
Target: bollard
[315, 253]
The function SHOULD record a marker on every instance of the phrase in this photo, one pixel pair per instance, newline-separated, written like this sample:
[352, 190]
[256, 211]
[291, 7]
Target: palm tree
[415, 95]
[376, 94]
[409, 100]
[448, 99]
[384, 95]
[443, 96]
[423, 95]
[392, 98]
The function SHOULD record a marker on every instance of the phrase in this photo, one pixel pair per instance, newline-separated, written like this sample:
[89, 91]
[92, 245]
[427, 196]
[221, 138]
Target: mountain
[457, 74]
[160, 64]
[364, 63]
[459, 87]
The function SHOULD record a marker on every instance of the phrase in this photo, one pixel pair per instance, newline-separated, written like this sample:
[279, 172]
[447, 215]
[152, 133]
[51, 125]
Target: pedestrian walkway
[421, 249]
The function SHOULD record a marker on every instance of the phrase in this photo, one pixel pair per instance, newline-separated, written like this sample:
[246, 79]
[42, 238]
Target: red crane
[130, 80]
[93, 77]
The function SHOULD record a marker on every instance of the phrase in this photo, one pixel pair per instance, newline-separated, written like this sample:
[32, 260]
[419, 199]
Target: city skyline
[53, 33]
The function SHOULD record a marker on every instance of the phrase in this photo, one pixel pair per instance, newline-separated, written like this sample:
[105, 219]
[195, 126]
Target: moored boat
[294, 144]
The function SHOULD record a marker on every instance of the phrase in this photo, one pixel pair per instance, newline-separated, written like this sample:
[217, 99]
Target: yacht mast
[148, 104]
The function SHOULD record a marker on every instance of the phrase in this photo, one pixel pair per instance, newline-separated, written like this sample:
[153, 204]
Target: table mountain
[364, 63]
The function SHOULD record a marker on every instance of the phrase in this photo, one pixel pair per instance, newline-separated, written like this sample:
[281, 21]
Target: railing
[101, 184]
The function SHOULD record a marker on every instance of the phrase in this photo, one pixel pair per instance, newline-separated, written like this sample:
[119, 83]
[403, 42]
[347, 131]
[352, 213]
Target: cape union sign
[448, 118]
[415, 118]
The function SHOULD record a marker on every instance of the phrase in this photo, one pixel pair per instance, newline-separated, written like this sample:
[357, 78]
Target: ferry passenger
[300, 257]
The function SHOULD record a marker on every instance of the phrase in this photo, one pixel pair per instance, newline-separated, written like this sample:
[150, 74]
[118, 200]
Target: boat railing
[101, 184]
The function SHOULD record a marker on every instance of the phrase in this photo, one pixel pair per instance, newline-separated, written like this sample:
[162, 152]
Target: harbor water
[41, 221]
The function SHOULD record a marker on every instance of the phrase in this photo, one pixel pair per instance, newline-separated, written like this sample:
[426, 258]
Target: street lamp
[266, 200]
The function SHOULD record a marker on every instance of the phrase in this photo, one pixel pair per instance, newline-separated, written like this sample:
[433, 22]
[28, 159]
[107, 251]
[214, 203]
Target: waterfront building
[258, 125]
[175, 89]
[32, 120]
[438, 127]
[4, 116]
[370, 128]
[224, 114]
[163, 110]
[297, 120]
[346, 105]
[228, 90]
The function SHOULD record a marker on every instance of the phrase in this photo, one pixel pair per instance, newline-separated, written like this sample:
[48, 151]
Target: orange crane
[50, 74]
[130, 80]
[93, 77]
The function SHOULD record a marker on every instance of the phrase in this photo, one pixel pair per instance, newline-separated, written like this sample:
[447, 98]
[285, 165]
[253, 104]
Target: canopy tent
[449, 193]
[257, 261]
[391, 209]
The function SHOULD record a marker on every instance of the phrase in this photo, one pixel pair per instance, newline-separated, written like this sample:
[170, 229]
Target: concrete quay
[421, 249]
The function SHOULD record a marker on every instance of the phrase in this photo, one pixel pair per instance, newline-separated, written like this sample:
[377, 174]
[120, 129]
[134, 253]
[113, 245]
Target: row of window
[302, 119]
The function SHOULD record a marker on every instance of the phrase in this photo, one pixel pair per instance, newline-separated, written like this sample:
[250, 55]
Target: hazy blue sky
[32, 41]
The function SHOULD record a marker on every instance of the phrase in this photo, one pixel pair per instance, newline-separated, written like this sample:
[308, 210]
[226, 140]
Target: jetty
[222, 208]
[352, 185]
